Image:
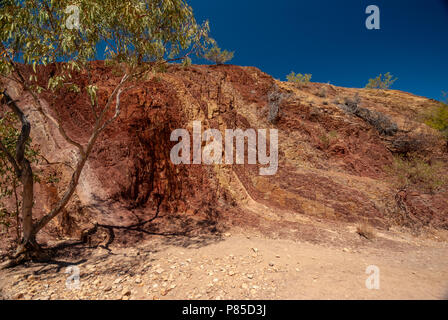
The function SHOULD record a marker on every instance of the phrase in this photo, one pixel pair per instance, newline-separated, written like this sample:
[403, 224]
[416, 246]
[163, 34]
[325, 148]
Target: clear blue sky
[328, 39]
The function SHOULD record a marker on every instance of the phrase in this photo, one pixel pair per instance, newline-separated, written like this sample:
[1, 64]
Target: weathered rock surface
[338, 179]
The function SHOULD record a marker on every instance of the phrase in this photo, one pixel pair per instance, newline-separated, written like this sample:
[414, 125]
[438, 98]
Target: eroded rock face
[331, 163]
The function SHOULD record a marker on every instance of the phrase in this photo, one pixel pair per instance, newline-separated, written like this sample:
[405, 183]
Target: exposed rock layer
[332, 164]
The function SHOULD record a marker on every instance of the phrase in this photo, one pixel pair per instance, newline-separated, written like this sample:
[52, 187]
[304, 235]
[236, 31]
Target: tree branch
[55, 122]
[80, 165]
[24, 83]
[117, 109]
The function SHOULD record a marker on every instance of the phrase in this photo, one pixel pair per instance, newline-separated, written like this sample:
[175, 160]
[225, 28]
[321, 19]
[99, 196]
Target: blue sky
[328, 39]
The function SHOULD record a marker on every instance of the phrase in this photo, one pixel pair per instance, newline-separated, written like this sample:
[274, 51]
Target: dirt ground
[239, 265]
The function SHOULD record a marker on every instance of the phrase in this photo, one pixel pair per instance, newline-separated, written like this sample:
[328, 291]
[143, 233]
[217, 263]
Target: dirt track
[239, 266]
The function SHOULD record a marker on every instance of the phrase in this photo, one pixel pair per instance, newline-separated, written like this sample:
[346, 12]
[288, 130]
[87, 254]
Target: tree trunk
[100, 125]
[65, 199]
[24, 172]
[27, 202]
[28, 248]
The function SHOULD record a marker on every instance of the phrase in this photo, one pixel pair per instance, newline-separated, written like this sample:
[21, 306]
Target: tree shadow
[174, 230]
[169, 229]
[55, 266]
[184, 232]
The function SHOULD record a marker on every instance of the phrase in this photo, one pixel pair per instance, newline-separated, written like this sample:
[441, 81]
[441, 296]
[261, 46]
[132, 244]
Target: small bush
[186, 62]
[414, 171]
[217, 56]
[438, 119]
[328, 139]
[381, 82]
[299, 78]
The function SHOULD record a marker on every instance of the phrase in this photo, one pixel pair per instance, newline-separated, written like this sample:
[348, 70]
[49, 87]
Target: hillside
[336, 146]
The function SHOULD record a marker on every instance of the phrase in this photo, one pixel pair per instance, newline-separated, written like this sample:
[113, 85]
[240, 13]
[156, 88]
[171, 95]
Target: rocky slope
[334, 150]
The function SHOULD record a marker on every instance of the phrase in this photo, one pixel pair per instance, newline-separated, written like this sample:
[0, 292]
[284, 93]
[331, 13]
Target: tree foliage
[139, 37]
[135, 31]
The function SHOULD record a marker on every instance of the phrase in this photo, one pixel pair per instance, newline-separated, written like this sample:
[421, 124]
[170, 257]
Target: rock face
[331, 162]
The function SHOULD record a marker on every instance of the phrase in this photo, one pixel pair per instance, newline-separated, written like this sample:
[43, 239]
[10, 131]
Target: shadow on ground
[133, 243]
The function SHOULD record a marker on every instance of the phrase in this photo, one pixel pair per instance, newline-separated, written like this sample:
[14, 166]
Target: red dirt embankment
[332, 165]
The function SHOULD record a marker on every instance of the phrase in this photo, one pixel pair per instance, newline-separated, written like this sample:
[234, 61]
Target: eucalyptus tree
[138, 36]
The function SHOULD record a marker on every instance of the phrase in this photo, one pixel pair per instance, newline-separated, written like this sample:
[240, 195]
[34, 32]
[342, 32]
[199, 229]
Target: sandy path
[239, 267]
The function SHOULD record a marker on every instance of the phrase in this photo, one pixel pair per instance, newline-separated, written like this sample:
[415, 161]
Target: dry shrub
[382, 123]
[412, 143]
[338, 100]
[366, 231]
[275, 98]
[323, 92]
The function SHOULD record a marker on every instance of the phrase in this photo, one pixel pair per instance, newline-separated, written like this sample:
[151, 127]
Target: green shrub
[438, 119]
[299, 78]
[217, 56]
[415, 172]
[186, 62]
[381, 82]
[328, 138]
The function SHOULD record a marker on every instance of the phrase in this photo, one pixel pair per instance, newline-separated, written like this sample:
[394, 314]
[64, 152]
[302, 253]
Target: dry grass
[323, 92]
[366, 231]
